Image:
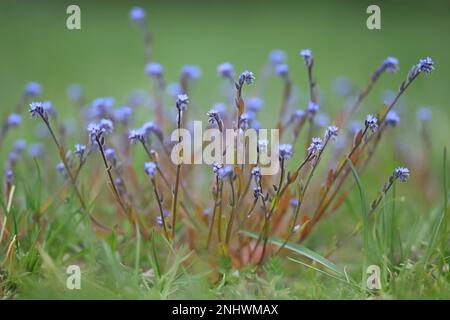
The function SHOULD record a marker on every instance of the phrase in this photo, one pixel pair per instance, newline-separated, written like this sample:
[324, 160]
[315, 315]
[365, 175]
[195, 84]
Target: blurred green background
[107, 55]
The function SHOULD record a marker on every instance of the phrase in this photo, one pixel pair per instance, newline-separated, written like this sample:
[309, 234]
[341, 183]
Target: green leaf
[303, 251]
[365, 218]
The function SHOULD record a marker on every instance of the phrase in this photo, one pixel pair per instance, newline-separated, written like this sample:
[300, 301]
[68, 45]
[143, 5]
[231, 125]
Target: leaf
[365, 218]
[303, 251]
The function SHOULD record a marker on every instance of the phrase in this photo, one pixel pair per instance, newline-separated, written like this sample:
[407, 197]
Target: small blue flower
[150, 169]
[48, 108]
[392, 118]
[390, 64]
[154, 69]
[36, 150]
[426, 65]
[216, 167]
[80, 149]
[282, 70]
[316, 145]
[286, 151]
[61, 169]
[254, 104]
[213, 116]
[151, 127]
[298, 114]
[313, 108]
[371, 122]
[225, 172]
[33, 89]
[307, 56]
[102, 106]
[402, 174]
[182, 101]
[225, 70]
[123, 114]
[220, 108]
[37, 110]
[191, 72]
[9, 176]
[12, 157]
[245, 120]
[136, 135]
[256, 173]
[424, 114]
[111, 156]
[294, 203]
[246, 77]
[331, 133]
[14, 120]
[277, 57]
[106, 125]
[19, 146]
[137, 15]
[75, 92]
[321, 120]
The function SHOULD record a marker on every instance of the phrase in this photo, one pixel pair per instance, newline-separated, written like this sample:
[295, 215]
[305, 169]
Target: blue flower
[313, 108]
[316, 145]
[390, 64]
[75, 92]
[213, 116]
[321, 120]
[392, 118]
[371, 122]
[80, 149]
[307, 56]
[61, 169]
[424, 114]
[282, 70]
[182, 101]
[426, 65]
[137, 15]
[402, 174]
[154, 69]
[110, 155]
[151, 127]
[246, 77]
[225, 70]
[37, 110]
[14, 120]
[191, 71]
[254, 104]
[106, 125]
[123, 114]
[286, 151]
[277, 56]
[216, 167]
[102, 106]
[36, 150]
[150, 169]
[331, 132]
[9, 176]
[298, 114]
[136, 135]
[245, 120]
[225, 172]
[19, 146]
[33, 89]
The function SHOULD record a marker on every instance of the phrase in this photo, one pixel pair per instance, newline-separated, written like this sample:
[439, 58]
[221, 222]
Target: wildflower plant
[234, 212]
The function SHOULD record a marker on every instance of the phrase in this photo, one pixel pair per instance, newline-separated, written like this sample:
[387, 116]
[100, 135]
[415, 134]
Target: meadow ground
[45, 225]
